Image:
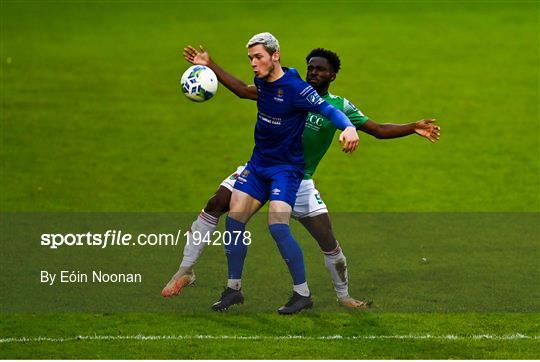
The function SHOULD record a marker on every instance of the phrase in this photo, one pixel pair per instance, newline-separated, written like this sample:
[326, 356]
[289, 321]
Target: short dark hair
[329, 55]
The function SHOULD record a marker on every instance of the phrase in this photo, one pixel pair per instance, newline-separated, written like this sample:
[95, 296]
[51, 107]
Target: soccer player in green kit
[310, 209]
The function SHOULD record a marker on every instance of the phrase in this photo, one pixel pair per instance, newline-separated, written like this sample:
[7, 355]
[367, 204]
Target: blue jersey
[283, 106]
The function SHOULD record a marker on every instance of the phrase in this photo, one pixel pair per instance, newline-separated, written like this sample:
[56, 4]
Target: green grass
[92, 119]
[266, 325]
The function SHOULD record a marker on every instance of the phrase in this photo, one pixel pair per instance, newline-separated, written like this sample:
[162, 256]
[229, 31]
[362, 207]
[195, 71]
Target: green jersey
[319, 132]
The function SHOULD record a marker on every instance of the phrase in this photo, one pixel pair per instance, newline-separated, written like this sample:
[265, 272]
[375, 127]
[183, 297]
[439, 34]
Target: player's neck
[322, 91]
[275, 74]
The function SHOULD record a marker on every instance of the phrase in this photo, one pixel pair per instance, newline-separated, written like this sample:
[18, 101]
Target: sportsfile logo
[115, 238]
[111, 238]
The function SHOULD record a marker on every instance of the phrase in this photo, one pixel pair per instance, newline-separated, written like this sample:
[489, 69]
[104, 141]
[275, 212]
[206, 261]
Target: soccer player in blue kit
[276, 167]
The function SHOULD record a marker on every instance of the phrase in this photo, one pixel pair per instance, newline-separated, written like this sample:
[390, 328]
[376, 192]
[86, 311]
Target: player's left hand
[349, 139]
[197, 56]
[428, 129]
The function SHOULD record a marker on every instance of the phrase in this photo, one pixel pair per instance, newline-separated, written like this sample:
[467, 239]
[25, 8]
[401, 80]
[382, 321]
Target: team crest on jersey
[241, 179]
[279, 94]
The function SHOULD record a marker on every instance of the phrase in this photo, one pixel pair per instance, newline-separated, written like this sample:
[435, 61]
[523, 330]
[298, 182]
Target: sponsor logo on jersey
[314, 98]
[314, 122]
[276, 191]
[269, 119]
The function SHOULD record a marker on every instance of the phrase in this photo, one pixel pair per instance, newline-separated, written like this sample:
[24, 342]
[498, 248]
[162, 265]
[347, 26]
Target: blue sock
[236, 254]
[290, 251]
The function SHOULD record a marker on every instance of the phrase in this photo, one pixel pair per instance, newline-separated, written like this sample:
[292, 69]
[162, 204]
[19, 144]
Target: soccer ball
[199, 83]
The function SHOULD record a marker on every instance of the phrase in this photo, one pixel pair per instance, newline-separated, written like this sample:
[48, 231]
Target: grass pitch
[92, 119]
[307, 336]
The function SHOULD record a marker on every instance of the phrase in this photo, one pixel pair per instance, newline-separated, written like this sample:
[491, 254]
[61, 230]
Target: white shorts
[308, 199]
[229, 181]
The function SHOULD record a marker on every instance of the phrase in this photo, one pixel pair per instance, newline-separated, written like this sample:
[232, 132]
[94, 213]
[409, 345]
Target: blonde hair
[270, 43]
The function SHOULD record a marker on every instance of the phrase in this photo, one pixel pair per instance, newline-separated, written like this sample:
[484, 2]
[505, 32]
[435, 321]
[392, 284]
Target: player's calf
[336, 264]
[205, 224]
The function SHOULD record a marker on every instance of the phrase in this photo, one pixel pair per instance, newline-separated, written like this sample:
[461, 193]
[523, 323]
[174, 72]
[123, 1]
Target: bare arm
[425, 128]
[235, 85]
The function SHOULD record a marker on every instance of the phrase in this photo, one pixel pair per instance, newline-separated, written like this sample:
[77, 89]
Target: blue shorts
[270, 183]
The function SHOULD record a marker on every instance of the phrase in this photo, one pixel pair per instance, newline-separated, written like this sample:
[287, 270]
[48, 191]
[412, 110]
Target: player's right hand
[349, 139]
[196, 57]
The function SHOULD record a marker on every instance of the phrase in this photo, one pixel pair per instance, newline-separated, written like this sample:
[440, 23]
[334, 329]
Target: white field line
[140, 337]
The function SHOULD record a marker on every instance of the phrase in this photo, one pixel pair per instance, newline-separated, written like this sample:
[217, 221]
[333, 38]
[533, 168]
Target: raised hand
[196, 57]
[428, 129]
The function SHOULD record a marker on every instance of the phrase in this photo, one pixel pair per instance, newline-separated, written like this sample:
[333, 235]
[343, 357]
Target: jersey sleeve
[307, 98]
[354, 114]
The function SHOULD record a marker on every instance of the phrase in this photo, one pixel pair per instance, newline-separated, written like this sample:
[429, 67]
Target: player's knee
[326, 240]
[321, 229]
[278, 206]
[279, 212]
[219, 203]
[216, 204]
[278, 218]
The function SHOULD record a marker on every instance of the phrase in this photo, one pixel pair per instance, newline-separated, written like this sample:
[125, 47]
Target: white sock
[205, 224]
[235, 284]
[302, 289]
[336, 263]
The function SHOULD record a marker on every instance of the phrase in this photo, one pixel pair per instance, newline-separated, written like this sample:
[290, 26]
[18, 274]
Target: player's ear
[276, 56]
[332, 77]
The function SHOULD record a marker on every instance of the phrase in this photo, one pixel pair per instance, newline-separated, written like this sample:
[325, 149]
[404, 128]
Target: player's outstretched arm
[425, 128]
[235, 85]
